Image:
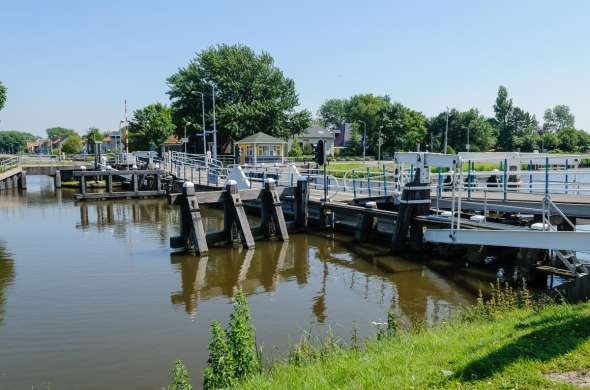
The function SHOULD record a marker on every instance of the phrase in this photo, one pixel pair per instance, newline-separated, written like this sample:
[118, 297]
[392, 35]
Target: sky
[73, 63]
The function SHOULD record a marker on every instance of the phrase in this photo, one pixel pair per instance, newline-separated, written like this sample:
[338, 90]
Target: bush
[241, 339]
[179, 379]
[296, 150]
[308, 150]
[220, 370]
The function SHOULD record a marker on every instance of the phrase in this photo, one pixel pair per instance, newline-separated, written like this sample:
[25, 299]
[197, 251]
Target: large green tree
[251, 94]
[557, 118]
[150, 126]
[333, 112]
[59, 132]
[502, 109]
[401, 129]
[14, 141]
[2, 96]
[465, 127]
[72, 145]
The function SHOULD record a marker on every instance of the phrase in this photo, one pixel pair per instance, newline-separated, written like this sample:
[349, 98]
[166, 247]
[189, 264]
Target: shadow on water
[557, 336]
[6, 277]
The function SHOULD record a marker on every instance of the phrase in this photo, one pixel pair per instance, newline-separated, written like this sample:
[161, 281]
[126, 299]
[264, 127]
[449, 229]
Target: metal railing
[9, 163]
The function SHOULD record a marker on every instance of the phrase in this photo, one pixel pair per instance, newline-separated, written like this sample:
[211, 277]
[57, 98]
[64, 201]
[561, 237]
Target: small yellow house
[261, 148]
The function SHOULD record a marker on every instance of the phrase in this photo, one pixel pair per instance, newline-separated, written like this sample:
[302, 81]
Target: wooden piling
[301, 202]
[235, 219]
[57, 179]
[109, 183]
[415, 201]
[23, 180]
[273, 220]
[82, 185]
[192, 230]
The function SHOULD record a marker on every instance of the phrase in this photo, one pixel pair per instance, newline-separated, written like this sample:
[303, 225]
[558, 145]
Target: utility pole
[126, 131]
[214, 128]
[446, 132]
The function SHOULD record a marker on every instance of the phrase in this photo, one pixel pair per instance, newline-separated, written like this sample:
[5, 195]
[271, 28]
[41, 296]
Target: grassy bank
[517, 348]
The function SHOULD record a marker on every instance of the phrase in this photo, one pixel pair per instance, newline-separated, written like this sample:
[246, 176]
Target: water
[91, 296]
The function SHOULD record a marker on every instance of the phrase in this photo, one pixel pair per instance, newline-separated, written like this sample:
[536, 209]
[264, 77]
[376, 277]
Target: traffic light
[319, 153]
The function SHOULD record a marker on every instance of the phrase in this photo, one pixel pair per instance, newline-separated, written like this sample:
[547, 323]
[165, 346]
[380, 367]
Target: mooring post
[159, 181]
[57, 179]
[135, 182]
[415, 200]
[235, 218]
[109, 182]
[273, 220]
[23, 180]
[301, 200]
[192, 231]
[367, 224]
[82, 184]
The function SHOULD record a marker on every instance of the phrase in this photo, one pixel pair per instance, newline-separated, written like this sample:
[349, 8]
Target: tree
[150, 125]
[503, 109]
[367, 109]
[251, 94]
[59, 132]
[296, 150]
[12, 141]
[72, 145]
[557, 118]
[401, 129]
[93, 135]
[333, 112]
[462, 125]
[2, 96]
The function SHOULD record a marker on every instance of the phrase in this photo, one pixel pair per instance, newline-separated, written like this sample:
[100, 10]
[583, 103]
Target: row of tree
[12, 141]
[398, 127]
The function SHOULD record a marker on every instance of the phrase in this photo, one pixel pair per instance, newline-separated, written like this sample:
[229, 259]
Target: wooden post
[235, 219]
[82, 184]
[109, 183]
[301, 200]
[415, 200]
[367, 224]
[192, 230]
[273, 220]
[135, 182]
[57, 179]
[158, 181]
[23, 180]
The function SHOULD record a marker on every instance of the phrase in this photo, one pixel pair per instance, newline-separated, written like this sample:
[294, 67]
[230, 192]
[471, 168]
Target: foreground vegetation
[508, 341]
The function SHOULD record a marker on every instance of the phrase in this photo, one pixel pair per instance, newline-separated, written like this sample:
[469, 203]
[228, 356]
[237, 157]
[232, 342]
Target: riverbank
[524, 348]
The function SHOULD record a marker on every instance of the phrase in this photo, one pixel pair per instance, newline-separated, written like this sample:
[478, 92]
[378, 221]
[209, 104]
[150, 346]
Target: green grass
[514, 349]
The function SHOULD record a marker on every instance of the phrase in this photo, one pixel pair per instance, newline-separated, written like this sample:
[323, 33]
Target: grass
[517, 348]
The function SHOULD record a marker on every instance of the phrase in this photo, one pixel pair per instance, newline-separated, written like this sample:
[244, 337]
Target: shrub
[179, 379]
[296, 150]
[220, 370]
[241, 339]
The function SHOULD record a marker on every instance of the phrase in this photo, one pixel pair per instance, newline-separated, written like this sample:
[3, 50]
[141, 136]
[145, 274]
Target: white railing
[9, 163]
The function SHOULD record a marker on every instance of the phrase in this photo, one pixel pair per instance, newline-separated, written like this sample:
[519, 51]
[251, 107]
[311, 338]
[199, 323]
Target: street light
[214, 127]
[446, 131]
[364, 137]
[379, 152]
[185, 140]
[203, 121]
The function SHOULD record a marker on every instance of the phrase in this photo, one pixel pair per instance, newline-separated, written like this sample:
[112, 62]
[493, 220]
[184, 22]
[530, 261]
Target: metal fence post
[369, 181]
[505, 178]
[531, 176]
[354, 184]
[546, 175]
[439, 169]
[469, 168]
[566, 176]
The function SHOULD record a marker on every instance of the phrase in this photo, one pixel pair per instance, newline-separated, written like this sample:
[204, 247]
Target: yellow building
[261, 148]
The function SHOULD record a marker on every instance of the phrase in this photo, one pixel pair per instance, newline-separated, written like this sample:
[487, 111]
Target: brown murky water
[91, 296]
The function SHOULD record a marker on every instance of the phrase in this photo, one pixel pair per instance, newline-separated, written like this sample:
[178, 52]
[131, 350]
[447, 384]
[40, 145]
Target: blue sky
[72, 63]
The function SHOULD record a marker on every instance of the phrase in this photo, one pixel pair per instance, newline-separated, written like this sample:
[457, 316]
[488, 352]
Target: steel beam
[576, 241]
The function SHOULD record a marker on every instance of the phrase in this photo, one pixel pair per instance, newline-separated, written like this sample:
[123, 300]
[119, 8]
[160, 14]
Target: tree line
[400, 128]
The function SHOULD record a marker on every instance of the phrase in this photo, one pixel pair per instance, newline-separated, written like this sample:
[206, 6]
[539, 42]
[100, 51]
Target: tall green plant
[220, 370]
[179, 379]
[241, 339]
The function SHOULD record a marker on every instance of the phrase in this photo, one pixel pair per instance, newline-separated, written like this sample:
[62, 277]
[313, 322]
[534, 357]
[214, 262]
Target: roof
[260, 138]
[172, 140]
[316, 132]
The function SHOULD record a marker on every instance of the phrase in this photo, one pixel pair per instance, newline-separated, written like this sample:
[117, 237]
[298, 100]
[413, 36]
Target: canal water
[92, 297]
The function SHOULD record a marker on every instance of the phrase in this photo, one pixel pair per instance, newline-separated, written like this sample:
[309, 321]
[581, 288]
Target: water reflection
[6, 276]
[415, 294]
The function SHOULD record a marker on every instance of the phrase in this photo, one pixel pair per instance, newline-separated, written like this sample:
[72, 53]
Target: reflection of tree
[6, 276]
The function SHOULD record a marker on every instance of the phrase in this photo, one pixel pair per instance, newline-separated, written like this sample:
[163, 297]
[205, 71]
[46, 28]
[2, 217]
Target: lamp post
[379, 150]
[214, 128]
[446, 132]
[364, 137]
[468, 139]
[185, 140]
[203, 121]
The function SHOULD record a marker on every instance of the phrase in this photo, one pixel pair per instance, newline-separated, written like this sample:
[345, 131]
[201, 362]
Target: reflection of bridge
[418, 290]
